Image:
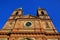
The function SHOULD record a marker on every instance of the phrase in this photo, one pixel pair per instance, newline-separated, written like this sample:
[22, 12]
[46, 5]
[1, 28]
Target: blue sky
[30, 7]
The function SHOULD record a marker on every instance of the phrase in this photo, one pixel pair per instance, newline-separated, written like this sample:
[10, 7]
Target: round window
[28, 24]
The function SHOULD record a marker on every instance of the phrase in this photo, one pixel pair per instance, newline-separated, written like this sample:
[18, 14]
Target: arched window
[16, 13]
[42, 12]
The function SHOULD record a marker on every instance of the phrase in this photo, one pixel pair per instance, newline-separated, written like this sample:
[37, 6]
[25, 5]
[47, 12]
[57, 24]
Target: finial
[20, 8]
[39, 7]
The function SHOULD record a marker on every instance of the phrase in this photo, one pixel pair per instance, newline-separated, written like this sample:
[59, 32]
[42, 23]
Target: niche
[47, 25]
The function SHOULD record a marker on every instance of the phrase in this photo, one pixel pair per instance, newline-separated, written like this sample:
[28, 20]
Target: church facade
[28, 27]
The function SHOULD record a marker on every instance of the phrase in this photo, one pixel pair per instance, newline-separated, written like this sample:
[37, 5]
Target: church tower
[45, 21]
[28, 27]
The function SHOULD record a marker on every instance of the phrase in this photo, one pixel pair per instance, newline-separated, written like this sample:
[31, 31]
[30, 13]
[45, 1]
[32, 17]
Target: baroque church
[28, 27]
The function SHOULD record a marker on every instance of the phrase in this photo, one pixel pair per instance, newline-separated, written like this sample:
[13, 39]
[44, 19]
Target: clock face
[28, 24]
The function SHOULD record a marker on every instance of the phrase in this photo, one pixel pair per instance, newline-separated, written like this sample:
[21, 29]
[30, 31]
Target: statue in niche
[47, 25]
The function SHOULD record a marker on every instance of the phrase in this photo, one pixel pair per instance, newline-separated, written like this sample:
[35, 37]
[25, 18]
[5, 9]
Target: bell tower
[46, 23]
[8, 27]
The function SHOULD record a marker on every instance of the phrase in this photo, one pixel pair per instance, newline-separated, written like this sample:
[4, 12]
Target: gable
[19, 23]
